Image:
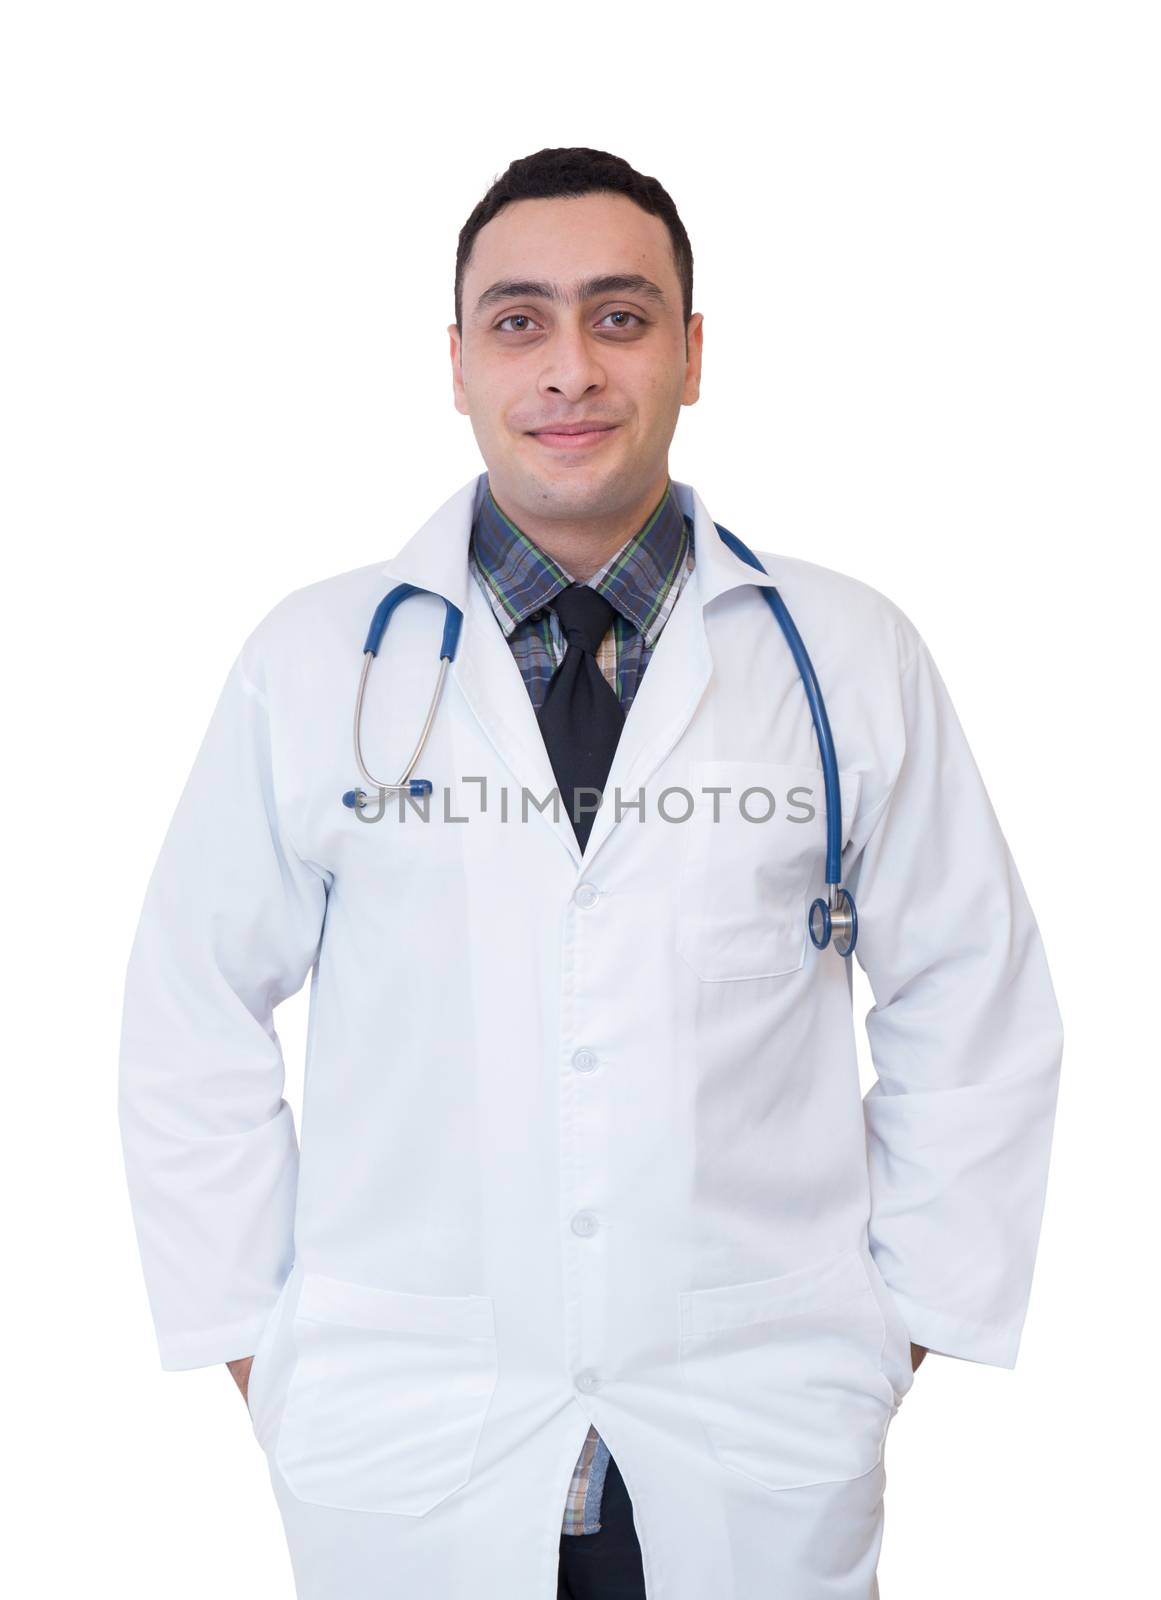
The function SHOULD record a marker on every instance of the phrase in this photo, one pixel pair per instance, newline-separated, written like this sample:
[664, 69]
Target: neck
[582, 547]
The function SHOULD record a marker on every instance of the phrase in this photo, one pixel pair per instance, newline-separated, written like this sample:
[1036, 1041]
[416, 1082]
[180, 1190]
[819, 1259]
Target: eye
[514, 316]
[522, 316]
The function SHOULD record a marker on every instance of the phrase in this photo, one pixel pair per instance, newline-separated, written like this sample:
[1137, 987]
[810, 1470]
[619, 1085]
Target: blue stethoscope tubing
[836, 915]
[452, 623]
[834, 918]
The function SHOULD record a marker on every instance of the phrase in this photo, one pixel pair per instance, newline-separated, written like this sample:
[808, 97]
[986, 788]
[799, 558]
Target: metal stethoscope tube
[404, 782]
[356, 799]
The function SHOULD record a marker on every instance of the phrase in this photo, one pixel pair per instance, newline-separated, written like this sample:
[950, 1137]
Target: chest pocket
[747, 876]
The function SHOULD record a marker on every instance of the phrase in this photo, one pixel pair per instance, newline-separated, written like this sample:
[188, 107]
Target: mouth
[574, 438]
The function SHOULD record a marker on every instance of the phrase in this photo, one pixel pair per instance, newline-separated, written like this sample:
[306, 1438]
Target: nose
[572, 366]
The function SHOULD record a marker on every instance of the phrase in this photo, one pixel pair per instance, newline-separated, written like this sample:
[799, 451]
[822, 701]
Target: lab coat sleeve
[965, 1036]
[230, 927]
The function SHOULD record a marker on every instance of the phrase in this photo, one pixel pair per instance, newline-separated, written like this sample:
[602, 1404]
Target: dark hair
[576, 171]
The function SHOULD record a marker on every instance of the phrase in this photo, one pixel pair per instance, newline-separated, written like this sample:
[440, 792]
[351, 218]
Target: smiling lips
[575, 435]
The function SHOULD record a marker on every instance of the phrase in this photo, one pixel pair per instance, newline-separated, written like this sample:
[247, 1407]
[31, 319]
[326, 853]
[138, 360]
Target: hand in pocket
[240, 1370]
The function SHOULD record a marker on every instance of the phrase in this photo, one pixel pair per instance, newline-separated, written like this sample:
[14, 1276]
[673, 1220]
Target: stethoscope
[835, 917]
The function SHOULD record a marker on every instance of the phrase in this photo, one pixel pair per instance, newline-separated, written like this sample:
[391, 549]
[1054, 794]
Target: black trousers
[604, 1565]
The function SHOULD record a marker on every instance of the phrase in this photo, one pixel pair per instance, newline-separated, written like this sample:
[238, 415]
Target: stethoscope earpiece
[356, 799]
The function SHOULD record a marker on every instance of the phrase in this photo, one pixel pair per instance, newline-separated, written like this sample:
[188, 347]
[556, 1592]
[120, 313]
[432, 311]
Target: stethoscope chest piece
[838, 920]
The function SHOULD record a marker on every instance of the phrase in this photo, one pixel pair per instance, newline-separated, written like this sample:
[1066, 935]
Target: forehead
[568, 239]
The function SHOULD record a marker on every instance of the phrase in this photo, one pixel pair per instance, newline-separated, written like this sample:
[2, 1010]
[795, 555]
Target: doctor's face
[572, 313]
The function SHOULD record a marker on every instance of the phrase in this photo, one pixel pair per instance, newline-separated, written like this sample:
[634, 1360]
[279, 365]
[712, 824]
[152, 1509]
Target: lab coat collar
[436, 556]
[436, 559]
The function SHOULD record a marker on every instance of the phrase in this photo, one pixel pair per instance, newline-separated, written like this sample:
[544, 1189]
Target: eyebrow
[610, 283]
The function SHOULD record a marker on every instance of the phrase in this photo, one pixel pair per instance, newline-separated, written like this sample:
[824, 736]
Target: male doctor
[594, 1276]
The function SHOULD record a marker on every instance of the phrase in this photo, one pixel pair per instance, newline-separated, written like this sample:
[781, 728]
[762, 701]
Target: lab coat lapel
[484, 670]
[492, 685]
[678, 673]
[435, 558]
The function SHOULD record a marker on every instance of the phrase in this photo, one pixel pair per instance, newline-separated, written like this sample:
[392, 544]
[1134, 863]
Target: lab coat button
[584, 1223]
[584, 1060]
[587, 1380]
[586, 895]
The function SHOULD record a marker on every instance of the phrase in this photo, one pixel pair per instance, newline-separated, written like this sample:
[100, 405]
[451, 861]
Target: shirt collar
[520, 578]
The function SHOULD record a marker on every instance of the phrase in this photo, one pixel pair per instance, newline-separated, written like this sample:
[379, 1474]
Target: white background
[926, 250]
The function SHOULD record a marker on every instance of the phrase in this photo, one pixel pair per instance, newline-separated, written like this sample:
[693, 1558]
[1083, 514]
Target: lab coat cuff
[953, 1336]
[209, 1346]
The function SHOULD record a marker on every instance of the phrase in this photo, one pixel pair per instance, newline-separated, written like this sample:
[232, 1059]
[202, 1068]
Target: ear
[456, 347]
[692, 387]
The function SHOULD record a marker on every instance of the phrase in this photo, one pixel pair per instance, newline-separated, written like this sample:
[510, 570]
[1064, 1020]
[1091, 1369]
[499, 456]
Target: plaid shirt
[642, 582]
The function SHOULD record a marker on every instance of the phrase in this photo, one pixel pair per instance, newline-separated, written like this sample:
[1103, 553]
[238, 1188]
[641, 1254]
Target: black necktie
[581, 717]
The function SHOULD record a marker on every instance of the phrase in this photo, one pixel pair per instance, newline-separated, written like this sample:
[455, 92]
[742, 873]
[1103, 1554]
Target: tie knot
[584, 615]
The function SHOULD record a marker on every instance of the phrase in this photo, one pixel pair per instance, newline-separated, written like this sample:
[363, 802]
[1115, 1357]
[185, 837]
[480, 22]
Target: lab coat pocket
[750, 861]
[387, 1396]
[787, 1374]
[897, 1350]
[257, 1389]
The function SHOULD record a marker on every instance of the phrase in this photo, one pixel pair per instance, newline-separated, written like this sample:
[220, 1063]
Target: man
[594, 1275]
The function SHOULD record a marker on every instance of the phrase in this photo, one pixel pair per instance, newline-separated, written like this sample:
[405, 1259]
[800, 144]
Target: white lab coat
[582, 1138]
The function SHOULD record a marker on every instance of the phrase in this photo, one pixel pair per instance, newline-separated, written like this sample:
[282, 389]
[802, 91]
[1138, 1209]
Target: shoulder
[844, 616]
[303, 627]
